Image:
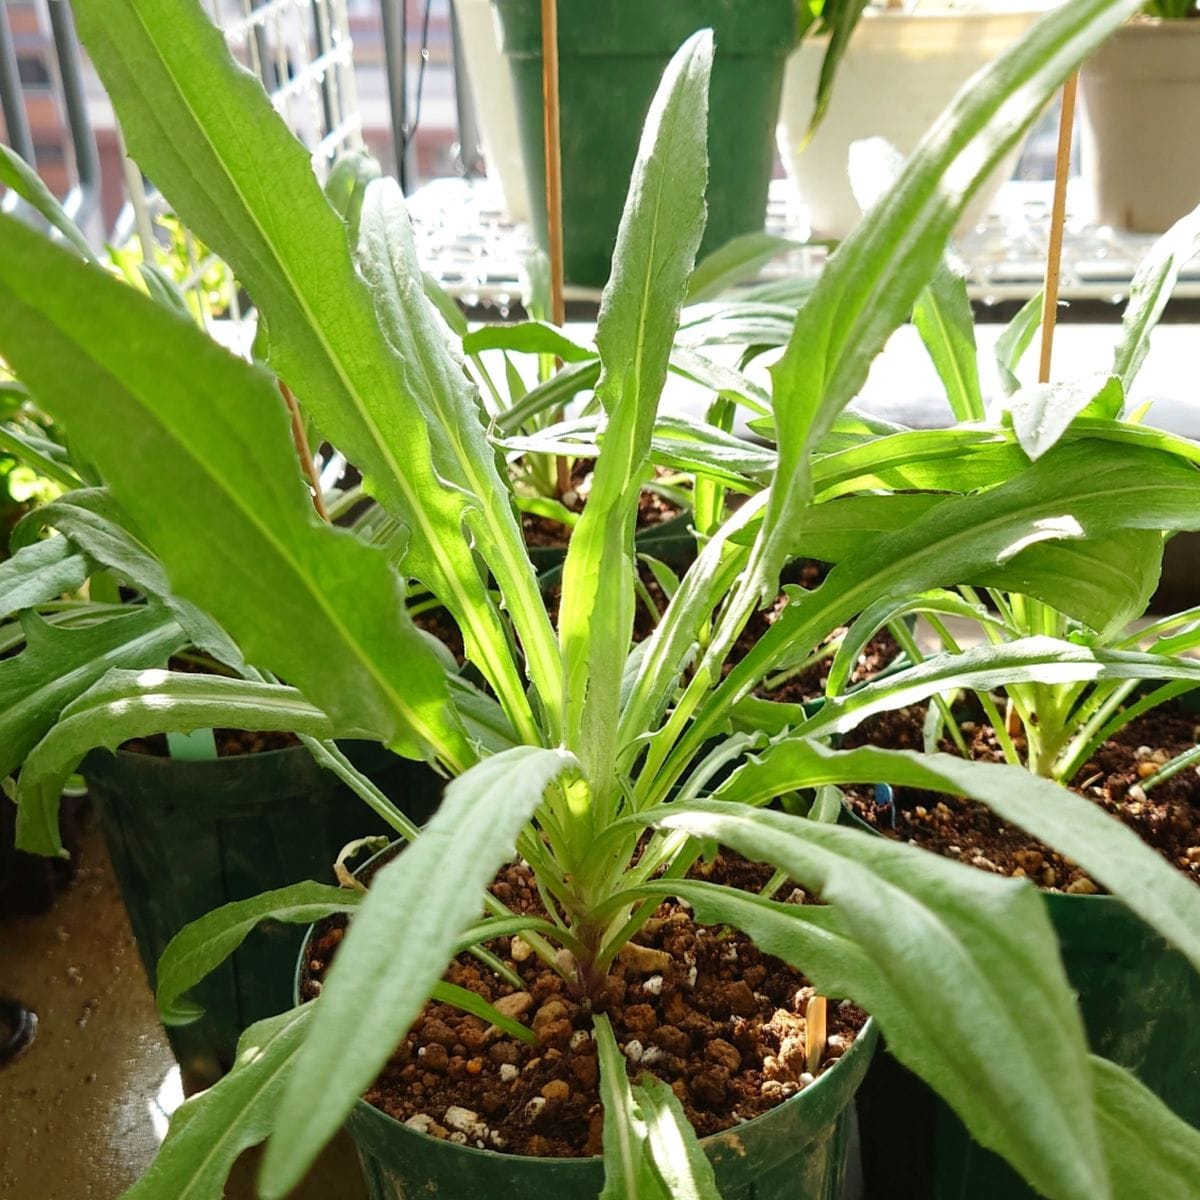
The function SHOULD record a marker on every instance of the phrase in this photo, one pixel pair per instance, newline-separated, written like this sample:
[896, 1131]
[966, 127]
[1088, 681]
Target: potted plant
[1140, 95]
[229, 809]
[605, 767]
[1060, 724]
[228, 812]
[899, 68]
[612, 57]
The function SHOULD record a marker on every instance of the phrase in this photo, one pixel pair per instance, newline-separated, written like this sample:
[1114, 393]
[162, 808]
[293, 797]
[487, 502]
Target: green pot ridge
[187, 837]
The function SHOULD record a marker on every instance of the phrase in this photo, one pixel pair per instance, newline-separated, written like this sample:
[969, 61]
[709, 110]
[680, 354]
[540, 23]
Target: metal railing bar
[83, 203]
[11, 101]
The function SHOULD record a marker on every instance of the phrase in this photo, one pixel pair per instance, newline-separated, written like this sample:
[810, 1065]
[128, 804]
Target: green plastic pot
[1138, 998]
[186, 837]
[611, 57]
[796, 1151]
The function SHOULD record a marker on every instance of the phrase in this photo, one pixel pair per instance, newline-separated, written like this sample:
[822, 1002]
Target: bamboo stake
[303, 452]
[1058, 212]
[550, 133]
[554, 216]
[814, 1033]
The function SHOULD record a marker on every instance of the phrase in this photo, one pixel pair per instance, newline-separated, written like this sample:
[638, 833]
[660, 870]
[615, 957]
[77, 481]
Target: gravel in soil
[1166, 818]
[698, 1006]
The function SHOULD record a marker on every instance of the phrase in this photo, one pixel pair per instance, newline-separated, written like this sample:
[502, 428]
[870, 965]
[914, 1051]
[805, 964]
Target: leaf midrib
[397, 475]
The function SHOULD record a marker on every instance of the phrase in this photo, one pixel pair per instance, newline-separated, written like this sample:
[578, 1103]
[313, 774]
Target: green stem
[43, 464]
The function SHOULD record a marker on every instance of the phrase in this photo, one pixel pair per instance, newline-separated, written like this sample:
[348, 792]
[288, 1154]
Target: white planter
[1140, 120]
[899, 73]
[495, 105]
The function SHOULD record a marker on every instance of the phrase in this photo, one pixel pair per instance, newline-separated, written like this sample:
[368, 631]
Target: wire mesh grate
[302, 52]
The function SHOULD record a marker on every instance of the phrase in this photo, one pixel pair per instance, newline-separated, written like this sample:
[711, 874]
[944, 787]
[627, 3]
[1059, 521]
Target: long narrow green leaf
[955, 460]
[36, 453]
[840, 20]
[656, 248]
[213, 487]
[550, 396]
[1079, 490]
[236, 175]
[389, 963]
[732, 384]
[210, 1130]
[527, 337]
[1108, 851]
[40, 572]
[469, 1002]
[1150, 291]
[59, 664]
[1015, 340]
[663, 657]
[740, 323]
[942, 316]
[128, 704]
[740, 259]
[432, 375]
[888, 609]
[811, 937]
[90, 518]
[981, 668]
[628, 1174]
[1150, 1151]
[870, 285]
[17, 174]
[200, 947]
[674, 1147]
[964, 978]
[677, 442]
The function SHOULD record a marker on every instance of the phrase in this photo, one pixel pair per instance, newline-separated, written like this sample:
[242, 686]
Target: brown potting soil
[645, 621]
[230, 743]
[699, 1006]
[809, 683]
[440, 623]
[547, 533]
[1166, 818]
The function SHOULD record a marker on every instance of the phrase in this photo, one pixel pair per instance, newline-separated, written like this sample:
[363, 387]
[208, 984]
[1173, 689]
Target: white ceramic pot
[495, 105]
[899, 73]
[1140, 120]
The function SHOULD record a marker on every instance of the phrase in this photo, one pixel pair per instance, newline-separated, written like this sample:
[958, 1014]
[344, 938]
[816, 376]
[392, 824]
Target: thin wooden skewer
[554, 215]
[1062, 165]
[553, 146]
[814, 1033]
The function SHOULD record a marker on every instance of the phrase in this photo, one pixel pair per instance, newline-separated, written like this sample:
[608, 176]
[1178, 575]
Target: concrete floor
[83, 1110]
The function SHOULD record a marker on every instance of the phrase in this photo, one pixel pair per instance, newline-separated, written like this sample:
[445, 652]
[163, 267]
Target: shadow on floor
[82, 1111]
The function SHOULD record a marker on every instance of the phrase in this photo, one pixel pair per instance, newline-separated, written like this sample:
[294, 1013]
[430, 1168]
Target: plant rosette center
[698, 1006]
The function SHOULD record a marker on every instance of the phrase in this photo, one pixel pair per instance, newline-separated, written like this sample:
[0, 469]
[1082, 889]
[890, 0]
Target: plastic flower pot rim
[854, 1062]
